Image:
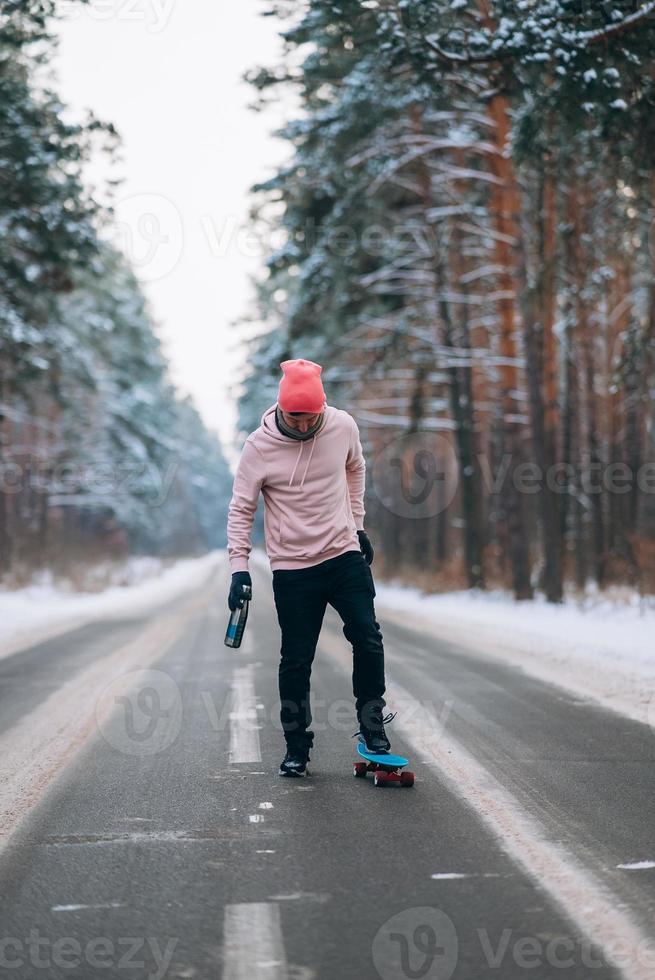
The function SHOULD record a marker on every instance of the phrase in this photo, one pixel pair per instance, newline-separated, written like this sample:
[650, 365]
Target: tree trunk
[539, 323]
[461, 398]
[463, 410]
[504, 214]
[586, 338]
[549, 496]
[571, 511]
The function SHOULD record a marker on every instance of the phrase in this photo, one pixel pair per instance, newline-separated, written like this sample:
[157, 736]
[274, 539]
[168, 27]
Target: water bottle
[237, 623]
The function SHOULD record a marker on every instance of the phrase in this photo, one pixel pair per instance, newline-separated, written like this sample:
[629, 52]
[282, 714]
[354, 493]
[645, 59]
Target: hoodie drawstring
[311, 452]
[297, 461]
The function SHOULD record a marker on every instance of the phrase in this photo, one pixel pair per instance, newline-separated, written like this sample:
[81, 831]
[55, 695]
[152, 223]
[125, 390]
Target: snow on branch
[428, 143]
[481, 273]
[447, 211]
[450, 172]
[394, 274]
[431, 404]
[401, 421]
[392, 289]
[488, 232]
[341, 375]
[467, 173]
[358, 332]
[450, 57]
[465, 113]
[611, 30]
[468, 299]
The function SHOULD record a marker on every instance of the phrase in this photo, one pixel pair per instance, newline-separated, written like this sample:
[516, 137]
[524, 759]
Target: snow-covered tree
[97, 451]
[469, 200]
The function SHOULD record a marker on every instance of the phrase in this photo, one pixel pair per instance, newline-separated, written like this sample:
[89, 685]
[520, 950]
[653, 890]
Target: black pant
[301, 596]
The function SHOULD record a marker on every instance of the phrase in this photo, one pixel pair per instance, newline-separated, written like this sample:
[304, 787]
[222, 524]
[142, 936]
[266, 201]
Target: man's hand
[365, 546]
[235, 599]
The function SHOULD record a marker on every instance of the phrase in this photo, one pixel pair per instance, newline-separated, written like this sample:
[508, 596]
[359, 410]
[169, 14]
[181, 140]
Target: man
[317, 549]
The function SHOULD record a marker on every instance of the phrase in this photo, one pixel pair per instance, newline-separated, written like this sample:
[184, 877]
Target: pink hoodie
[313, 493]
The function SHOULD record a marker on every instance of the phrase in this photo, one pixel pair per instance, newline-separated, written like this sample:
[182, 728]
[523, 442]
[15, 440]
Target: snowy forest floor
[598, 648]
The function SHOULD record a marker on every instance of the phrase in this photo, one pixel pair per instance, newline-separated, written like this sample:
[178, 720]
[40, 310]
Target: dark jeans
[301, 596]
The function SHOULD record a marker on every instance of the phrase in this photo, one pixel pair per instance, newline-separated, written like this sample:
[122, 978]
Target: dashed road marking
[75, 908]
[252, 942]
[244, 730]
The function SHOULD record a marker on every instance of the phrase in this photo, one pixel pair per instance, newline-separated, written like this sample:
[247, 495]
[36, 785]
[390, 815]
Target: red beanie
[301, 389]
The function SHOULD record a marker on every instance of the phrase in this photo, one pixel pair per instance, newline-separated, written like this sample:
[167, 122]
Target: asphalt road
[158, 840]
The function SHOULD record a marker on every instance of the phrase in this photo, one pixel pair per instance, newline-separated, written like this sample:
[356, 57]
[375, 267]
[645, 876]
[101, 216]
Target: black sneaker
[371, 730]
[295, 763]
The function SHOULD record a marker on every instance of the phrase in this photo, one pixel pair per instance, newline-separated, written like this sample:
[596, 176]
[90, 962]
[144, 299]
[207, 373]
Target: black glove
[235, 598]
[365, 546]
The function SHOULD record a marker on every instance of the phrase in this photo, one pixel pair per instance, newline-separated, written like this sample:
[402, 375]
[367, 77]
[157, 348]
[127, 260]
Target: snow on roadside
[600, 650]
[42, 610]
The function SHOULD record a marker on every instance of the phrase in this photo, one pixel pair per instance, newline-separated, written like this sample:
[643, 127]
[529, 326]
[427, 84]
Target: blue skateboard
[386, 768]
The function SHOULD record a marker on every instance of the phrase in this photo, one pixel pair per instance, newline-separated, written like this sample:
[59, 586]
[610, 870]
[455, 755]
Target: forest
[100, 457]
[468, 248]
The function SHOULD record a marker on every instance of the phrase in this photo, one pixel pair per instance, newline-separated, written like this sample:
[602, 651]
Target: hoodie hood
[270, 430]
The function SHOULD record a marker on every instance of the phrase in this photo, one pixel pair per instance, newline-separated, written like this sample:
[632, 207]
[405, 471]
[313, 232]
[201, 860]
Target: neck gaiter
[293, 433]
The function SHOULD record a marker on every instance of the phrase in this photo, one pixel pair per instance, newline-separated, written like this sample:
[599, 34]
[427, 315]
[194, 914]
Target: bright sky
[168, 73]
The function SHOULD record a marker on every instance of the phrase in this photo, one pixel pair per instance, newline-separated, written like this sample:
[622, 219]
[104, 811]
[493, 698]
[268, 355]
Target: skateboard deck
[385, 759]
[386, 768]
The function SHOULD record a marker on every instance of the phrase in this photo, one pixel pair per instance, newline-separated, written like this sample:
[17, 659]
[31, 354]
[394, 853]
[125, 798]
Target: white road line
[585, 899]
[43, 742]
[75, 908]
[244, 729]
[252, 942]
[448, 876]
